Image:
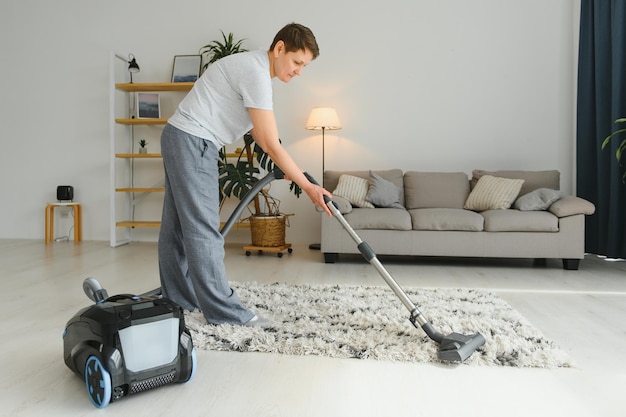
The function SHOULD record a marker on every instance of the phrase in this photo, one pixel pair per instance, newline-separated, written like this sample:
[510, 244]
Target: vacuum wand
[454, 347]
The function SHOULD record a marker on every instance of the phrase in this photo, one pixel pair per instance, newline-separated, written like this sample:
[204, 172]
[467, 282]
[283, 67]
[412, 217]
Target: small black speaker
[65, 193]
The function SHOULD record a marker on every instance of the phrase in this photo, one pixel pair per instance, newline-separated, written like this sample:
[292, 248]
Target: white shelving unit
[128, 186]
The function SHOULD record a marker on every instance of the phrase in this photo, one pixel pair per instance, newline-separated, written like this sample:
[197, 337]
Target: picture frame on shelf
[186, 68]
[148, 105]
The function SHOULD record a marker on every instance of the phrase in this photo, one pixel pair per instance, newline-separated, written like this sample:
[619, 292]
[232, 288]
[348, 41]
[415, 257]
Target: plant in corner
[621, 147]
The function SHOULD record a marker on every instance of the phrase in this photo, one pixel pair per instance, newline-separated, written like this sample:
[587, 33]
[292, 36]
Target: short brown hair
[297, 37]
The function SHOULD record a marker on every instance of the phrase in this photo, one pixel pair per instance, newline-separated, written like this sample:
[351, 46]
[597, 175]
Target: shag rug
[371, 323]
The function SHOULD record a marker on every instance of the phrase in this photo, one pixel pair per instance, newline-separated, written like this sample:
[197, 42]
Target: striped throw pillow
[493, 193]
[354, 189]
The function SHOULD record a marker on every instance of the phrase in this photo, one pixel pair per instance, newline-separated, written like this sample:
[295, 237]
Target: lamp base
[315, 246]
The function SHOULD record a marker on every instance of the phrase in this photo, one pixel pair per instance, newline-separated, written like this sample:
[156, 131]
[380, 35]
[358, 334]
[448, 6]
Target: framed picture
[186, 68]
[148, 105]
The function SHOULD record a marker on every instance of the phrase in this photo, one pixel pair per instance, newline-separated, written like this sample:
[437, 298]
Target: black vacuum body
[126, 344]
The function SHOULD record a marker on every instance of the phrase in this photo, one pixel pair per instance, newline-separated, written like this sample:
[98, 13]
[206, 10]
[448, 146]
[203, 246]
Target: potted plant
[215, 50]
[142, 146]
[621, 147]
[237, 175]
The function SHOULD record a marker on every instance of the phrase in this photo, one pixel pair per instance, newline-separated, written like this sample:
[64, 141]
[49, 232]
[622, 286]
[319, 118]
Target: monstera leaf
[237, 179]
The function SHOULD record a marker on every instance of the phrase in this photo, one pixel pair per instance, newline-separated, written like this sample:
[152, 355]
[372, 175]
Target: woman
[232, 97]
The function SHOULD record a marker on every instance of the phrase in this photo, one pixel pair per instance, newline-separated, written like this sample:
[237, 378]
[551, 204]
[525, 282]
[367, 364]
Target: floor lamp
[322, 118]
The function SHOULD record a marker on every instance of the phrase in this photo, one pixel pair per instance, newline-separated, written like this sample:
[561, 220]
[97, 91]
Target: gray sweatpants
[191, 248]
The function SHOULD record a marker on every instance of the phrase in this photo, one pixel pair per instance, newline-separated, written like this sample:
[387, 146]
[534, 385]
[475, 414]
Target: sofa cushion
[520, 221]
[383, 193]
[435, 189]
[381, 218]
[539, 199]
[532, 179]
[493, 193]
[446, 219]
[354, 189]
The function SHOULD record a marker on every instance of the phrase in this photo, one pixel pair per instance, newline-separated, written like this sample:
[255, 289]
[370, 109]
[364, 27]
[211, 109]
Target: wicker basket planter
[268, 231]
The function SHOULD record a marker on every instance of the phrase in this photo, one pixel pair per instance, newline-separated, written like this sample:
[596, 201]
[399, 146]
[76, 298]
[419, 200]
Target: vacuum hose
[276, 174]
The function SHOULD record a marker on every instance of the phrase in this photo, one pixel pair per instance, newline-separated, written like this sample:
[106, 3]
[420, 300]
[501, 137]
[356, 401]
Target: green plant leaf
[268, 164]
[237, 180]
[620, 150]
[295, 188]
[216, 49]
[611, 136]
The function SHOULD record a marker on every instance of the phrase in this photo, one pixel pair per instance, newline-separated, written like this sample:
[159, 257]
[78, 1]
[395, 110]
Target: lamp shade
[323, 118]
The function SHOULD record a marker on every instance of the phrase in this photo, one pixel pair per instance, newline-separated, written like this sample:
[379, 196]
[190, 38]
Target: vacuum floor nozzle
[457, 347]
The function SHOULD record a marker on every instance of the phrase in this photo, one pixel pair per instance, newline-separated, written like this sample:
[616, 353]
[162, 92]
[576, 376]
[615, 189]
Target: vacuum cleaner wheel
[194, 365]
[98, 382]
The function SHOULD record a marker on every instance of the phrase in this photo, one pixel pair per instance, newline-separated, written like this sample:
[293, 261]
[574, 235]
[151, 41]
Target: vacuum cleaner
[126, 344]
[454, 347]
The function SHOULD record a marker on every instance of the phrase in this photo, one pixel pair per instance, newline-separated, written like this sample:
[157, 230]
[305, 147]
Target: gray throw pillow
[539, 199]
[383, 193]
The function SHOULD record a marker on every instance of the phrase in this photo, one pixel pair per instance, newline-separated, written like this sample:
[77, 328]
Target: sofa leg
[571, 264]
[330, 257]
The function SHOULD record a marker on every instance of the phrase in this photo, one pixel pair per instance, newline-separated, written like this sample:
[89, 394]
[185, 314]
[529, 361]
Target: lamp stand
[318, 246]
[323, 157]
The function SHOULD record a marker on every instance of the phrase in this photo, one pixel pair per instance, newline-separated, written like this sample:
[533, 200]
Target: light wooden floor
[583, 311]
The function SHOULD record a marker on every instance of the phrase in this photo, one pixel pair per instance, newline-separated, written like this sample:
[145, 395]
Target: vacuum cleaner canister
[126, 344]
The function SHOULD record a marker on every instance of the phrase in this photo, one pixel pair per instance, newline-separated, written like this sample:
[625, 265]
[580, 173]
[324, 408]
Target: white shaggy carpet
[371, 323]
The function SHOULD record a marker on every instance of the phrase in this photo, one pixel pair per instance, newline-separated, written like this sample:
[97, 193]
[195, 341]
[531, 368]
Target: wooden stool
[78, 221]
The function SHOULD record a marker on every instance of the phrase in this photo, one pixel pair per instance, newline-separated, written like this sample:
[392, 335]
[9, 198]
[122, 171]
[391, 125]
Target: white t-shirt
[216, 108]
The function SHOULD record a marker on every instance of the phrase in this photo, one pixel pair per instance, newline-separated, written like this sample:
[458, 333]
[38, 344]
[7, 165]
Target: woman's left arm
[265, 133]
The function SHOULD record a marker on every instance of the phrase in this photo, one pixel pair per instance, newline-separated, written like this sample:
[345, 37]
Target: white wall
[434, 86]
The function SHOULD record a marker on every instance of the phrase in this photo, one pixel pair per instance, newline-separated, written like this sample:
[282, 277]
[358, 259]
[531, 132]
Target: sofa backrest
[446, 189]
[435, 189]
[532, 179]
[331, 178]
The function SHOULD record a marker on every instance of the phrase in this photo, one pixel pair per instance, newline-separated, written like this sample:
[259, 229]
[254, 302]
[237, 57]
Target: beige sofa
[449, 214]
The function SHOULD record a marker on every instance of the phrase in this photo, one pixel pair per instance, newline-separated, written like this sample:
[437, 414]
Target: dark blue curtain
[602, 100]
